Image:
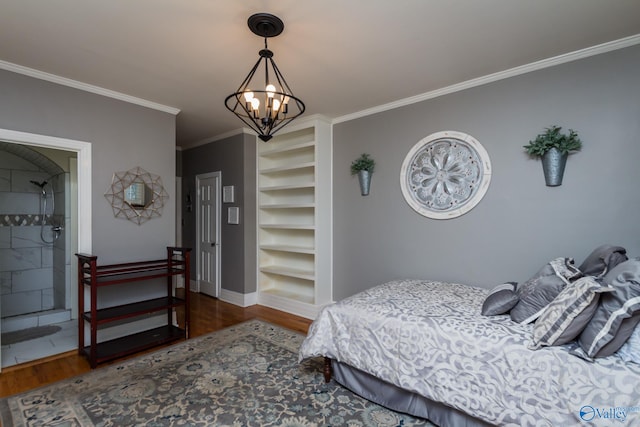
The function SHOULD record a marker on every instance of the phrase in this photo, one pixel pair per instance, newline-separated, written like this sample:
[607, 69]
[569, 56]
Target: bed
[424, 348]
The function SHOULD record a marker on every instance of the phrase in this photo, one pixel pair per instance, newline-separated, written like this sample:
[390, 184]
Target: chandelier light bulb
[270, 90]
[248, 96]
[276, 106]
[255, 104]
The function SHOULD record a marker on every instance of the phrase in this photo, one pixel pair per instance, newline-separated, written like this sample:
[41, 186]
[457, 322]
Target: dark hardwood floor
[207, 315]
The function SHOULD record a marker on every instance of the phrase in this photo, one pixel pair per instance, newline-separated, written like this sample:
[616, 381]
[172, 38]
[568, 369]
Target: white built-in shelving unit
[294, 218]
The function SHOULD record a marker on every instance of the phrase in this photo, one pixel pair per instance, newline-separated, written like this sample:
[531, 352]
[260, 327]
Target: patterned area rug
[245, 375]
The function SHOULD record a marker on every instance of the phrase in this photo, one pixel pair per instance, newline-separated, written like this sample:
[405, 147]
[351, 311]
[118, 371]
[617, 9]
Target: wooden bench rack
[94, 276]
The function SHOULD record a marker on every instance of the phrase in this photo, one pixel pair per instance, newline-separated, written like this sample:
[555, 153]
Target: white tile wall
[31, 280]
[47, 299]
[5, 283]
[20, 202]
[5, 180]
[18, 323]
[47, 256]
[26, 237]
[5, 237]
[21, 181]
[25, 203]
[20, 303]
[54, 316]
[20, 259]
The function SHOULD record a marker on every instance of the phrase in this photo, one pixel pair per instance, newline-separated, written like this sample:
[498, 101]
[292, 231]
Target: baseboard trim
[194, 285]
[308, 311]
[236, 298]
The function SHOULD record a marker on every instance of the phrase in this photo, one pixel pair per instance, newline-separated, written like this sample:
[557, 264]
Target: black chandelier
[265, 108]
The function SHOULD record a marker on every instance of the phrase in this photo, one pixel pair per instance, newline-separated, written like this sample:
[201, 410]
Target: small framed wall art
[233, 215]
[228, 194]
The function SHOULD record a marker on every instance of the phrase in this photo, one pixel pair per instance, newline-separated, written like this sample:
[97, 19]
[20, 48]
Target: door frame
[199, 177]
[82, 241]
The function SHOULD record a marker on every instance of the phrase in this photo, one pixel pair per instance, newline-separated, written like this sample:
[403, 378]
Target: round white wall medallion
[445, 175]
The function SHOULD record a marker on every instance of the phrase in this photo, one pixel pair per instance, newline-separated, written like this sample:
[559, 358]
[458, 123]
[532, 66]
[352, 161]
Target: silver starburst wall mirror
[136, 195]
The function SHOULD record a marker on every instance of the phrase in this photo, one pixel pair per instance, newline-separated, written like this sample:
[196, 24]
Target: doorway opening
[48, 178]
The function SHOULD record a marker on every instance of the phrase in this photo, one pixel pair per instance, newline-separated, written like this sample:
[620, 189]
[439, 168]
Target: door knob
[213, 244]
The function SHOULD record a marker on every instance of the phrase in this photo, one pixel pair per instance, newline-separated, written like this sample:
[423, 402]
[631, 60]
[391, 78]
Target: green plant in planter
[552, 137]
[363, 163]
[363, 166]
[553, 147]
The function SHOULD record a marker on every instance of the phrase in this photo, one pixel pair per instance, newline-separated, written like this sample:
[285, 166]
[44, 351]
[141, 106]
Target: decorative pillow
[630, 351]
[536, 293]
[603, 259]
[568, 314]
[500, 300]
[618, 312]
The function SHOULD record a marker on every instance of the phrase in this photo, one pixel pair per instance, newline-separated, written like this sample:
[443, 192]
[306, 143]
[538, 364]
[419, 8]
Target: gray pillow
[618, 312]
[536, 293]
[567, 315]
[500, 300]
[602, 259]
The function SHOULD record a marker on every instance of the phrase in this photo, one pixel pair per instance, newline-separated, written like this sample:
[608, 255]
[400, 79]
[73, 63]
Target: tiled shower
[35, 260]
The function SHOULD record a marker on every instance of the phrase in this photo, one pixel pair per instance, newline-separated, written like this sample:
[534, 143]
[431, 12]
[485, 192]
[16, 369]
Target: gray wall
[122, 135]
[520, 224]
[235, 157]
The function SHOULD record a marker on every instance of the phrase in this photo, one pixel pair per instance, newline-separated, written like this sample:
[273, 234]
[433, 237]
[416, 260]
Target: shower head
[39, 184]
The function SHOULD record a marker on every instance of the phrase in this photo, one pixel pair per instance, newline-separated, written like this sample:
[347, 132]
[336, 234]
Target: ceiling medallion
[445, 175]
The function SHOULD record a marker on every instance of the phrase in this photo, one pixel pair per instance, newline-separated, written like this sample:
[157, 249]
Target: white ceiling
[338, 56]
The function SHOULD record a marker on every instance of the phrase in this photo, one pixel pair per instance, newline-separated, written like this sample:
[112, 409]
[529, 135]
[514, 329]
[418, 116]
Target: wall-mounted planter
[553, 147]
[363, 166]
[364, 177]
[553, 164]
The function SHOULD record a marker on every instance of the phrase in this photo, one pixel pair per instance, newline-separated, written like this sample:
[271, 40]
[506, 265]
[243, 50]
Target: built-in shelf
[277, 151]
[288, 248]
[310, 185]
[288, 226]
[287, 168]
[294, 219]
[288, 271]
[288, 206]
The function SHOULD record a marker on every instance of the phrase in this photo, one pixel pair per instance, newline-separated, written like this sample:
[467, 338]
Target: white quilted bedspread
[430, 338]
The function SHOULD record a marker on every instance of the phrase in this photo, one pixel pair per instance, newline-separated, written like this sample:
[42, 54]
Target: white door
[208, 231]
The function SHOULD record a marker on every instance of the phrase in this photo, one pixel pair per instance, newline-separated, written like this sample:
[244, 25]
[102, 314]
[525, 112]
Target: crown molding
[8, 66]
[501, 75]
[205, 141]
